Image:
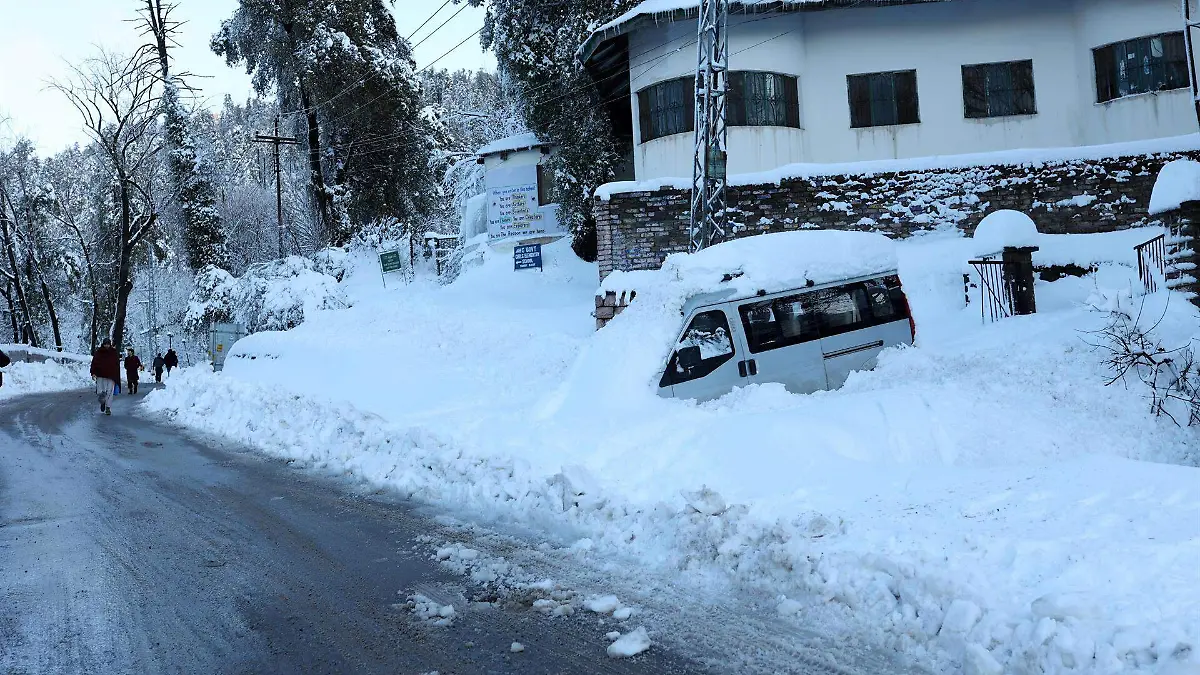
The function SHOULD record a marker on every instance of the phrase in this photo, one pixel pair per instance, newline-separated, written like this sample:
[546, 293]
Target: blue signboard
[527, 257]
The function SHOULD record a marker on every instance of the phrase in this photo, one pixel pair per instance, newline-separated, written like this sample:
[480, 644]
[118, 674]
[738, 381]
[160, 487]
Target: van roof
[768, 263]
[732, 295]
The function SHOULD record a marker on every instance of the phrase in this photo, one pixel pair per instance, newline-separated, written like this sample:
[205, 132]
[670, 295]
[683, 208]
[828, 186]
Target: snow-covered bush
[275, 295]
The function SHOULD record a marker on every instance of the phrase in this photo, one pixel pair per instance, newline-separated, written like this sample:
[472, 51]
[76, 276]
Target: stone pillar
[1183, 250]
[1018, 278]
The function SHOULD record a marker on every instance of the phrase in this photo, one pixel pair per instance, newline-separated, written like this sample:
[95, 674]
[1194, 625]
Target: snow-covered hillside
[982, 501]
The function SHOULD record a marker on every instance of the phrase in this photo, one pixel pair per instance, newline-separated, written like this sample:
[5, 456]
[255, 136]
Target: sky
[42, 36]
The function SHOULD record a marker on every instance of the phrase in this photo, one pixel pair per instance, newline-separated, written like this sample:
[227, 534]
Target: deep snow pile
[982, 501]
[32, 378]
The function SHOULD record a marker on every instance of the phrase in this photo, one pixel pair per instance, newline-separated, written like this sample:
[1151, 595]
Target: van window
[886, 299]
[842, 309]
[710, 332]
[771, 324]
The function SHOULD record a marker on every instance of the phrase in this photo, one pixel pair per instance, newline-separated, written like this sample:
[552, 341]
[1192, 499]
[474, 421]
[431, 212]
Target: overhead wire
[427, 20]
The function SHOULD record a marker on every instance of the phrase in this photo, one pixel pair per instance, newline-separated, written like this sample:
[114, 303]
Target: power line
[441, 26]
[464, 41]
[435, 13]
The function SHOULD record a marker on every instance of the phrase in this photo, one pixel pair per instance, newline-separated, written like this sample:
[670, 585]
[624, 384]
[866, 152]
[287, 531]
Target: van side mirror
[688, 358]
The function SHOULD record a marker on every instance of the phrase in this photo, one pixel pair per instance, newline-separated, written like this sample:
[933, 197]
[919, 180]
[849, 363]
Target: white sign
[512, 207]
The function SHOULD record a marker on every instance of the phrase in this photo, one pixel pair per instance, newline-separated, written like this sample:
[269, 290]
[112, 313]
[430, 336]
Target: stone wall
[636, 230]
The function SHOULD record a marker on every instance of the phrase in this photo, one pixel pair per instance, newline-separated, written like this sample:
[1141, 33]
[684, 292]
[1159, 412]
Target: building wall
[637, 230]
[821, 48]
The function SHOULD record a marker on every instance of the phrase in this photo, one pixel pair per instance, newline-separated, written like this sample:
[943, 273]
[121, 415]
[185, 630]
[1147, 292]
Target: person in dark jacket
[106, 369]
[4, 361]
[171, 360]
[159, 362]
[132, 365]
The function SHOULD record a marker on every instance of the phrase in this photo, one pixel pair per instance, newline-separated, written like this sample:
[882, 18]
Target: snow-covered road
[125, 547]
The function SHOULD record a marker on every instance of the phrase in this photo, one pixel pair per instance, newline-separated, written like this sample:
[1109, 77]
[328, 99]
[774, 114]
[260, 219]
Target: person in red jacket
[106, 370]
[132, 365]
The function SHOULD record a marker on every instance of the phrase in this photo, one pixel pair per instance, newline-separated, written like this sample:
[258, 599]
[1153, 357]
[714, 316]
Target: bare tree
[116, 98]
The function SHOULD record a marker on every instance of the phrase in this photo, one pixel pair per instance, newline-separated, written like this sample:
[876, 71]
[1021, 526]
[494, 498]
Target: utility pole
[277, 141]
[1191, 22]
[708, 214]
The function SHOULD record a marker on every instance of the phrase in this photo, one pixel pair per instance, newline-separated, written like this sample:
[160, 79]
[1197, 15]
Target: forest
[138, 233]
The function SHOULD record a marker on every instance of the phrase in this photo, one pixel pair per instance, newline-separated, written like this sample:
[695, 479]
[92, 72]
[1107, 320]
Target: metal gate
[995, 301]
[1152, 262]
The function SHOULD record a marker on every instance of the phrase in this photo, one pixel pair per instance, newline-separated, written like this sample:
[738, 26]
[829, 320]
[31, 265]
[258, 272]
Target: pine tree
[343, 69]
[203, 236]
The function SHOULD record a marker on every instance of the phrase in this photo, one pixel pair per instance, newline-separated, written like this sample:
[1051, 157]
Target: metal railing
[995, 302]
[1152, 262]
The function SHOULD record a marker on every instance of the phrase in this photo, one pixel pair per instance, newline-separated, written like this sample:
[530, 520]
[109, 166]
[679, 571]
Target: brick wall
[636, 230]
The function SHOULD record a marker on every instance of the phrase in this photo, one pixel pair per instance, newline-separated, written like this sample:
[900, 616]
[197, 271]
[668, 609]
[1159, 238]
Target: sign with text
[389, 261]
[513, 211]
[527, 257]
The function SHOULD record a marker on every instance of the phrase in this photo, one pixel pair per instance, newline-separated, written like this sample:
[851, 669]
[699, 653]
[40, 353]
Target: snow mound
[632, 643]
[1178, 182]
[431, 611]
[32, 378]
[1003, 228]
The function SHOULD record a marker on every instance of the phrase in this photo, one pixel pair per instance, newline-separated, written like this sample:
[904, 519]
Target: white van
[807, 338]
[802, 308]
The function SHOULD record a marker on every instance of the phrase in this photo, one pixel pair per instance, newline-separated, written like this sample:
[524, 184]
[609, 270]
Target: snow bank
[983, 502]
[32, 378]
[1178, 182]
[1004, 228]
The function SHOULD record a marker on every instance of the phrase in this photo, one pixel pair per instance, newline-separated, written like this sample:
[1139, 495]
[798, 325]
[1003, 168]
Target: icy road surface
[126, 548]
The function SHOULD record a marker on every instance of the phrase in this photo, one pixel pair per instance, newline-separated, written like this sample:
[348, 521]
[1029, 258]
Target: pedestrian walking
[159, 362]
[106, 370]
[4, 361]
[132, 365]
[171, 360]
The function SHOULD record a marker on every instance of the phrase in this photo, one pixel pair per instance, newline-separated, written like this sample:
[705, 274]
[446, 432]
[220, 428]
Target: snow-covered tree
[349, 82]
[203, 235]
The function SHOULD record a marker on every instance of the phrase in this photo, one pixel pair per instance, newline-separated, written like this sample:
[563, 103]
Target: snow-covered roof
[525, 141]
[767, 262]
[665, 11]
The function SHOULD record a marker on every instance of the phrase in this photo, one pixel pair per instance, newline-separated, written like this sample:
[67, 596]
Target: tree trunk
[320, 193]
[12, 314]
[27, 332]
[58, 344]
[124, 283]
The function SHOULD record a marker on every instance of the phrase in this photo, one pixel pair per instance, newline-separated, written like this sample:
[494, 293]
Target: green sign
[389, 261]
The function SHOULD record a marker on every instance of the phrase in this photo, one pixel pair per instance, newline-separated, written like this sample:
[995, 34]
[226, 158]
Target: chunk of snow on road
[602, 604]
[431, 611]
[788, 607]
[612, 635]
[516, 648]
[1004, 228]
[623, 613]
[1177, 182]
[630, 644]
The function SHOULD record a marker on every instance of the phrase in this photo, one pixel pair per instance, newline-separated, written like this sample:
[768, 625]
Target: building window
[1139, 66]
[667, 108]
[883, 99]
[543, 185]
[763, 100]
[998, 89]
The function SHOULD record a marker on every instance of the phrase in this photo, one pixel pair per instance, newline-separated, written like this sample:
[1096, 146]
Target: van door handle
[851, 350]
[753, 367]
[742, 368]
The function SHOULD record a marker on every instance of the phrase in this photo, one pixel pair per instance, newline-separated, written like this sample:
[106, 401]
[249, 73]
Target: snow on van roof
[770, 262]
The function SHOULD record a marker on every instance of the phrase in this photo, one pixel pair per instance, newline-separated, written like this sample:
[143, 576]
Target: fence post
[1018, 278]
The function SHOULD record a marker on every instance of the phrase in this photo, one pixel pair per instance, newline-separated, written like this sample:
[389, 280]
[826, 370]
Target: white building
[517, 191]
[848, 80]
